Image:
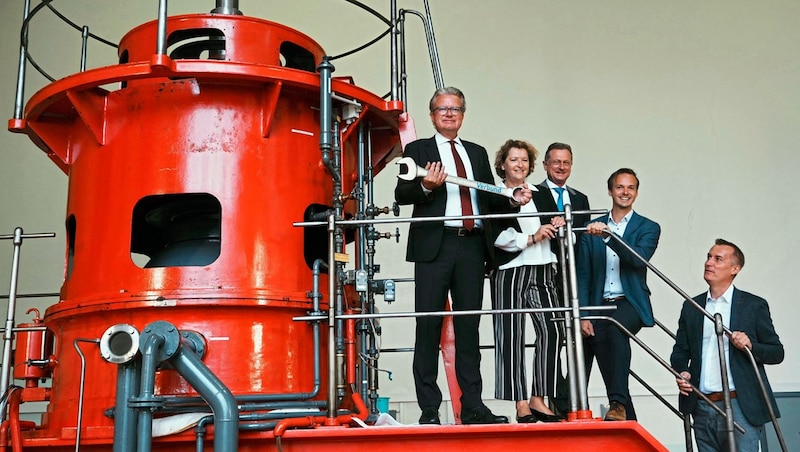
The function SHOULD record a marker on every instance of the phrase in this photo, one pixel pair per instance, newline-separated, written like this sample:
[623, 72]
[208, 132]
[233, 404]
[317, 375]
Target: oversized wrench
[409, 170]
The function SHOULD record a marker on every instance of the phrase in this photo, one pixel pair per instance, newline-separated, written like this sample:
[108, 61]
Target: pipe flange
[170, 334]
[195, 342]
[119, 343]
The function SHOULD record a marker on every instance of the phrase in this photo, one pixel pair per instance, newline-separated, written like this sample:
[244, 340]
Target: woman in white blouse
[524, 278]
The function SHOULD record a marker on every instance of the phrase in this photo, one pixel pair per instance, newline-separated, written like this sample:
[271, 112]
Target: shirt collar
[551, 185]
[726, 297]
[441, 139]
[624, 219]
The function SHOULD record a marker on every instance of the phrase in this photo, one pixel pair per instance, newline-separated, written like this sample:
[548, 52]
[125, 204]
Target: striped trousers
[528, 286]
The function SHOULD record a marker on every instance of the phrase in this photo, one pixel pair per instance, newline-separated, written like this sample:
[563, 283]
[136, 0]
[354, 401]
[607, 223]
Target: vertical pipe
[361, 266]
[21, 66]
[393, 63]
[719, 329]
[373, 345]
[84, 46]
[147, 391]
[437, 66]
[331, 318]
[579, 375]
[565, 291]
[128, 377]
[8, 333]
[337, 268]
[230, 7]
[316, 295]
[325, 69]
[161, 44]
[403, 79]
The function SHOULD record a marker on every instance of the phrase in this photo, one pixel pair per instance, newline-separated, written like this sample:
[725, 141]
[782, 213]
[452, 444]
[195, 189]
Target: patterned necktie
[560, 200]
[466, 201]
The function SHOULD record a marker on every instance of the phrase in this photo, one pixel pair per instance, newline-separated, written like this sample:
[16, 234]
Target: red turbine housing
[183, 186]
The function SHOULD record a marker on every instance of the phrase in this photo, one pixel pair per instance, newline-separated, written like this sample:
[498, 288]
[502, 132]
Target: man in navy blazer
[557, 163]
[450, 256]
[609, 275]
[695, 355]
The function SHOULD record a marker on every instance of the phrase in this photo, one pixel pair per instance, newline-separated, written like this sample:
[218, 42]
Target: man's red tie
[466, 200]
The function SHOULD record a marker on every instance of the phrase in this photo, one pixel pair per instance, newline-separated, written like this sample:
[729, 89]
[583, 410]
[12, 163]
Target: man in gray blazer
[696, 356]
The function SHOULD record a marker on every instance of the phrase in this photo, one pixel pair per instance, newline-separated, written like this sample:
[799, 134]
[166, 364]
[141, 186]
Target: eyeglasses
[565, 163]
[446, 110]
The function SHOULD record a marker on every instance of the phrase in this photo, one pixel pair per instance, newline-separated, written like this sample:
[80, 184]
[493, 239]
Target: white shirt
[510, 240]
[710, 376]
[613, 285]
[453, 206]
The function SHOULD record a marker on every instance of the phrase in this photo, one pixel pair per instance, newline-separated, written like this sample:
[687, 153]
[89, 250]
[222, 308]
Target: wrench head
[408, 168]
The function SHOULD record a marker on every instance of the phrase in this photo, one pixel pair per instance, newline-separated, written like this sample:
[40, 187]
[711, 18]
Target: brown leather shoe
[616, 412]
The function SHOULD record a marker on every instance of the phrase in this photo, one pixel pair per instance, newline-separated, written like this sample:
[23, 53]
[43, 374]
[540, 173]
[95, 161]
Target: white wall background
[700, 98]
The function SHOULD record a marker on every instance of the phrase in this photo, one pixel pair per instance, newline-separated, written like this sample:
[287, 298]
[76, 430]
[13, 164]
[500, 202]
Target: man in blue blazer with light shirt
[609, 275]
[696, 355]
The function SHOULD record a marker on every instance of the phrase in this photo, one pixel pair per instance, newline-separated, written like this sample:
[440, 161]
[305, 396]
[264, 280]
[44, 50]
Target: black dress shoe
[481, 416]
[544, 417]
[430, 415]
[527, 419]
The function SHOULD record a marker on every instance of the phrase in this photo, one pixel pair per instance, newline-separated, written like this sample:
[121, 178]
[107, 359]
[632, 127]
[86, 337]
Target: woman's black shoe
[527, 419]
[544, 417]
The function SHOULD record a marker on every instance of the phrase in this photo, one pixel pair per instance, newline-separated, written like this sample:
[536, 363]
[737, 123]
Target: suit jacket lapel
[700, 317]
[738, 299]
[632, 226]
[603, 247]
[433, 151]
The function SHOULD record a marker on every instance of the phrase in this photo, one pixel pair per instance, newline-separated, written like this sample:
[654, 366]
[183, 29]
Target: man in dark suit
[696, 355]
[450, 256]
[557, 164]
[608, 274]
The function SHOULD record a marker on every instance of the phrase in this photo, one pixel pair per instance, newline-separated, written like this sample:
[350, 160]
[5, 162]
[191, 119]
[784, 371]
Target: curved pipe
[310, 421]
[200, 432]
[325, 69]
[13, 426]
[218, 396]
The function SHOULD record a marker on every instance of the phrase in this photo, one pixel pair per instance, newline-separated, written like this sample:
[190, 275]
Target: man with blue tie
[450, 256]
[557, 164]
[609, 275]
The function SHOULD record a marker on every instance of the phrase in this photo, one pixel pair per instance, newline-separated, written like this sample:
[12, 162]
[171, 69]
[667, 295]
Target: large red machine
[185, 273]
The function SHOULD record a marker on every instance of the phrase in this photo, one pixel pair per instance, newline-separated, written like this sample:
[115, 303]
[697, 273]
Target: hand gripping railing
[719, 329]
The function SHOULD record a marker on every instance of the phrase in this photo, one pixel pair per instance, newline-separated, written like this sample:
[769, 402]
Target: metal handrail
[660, 360]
